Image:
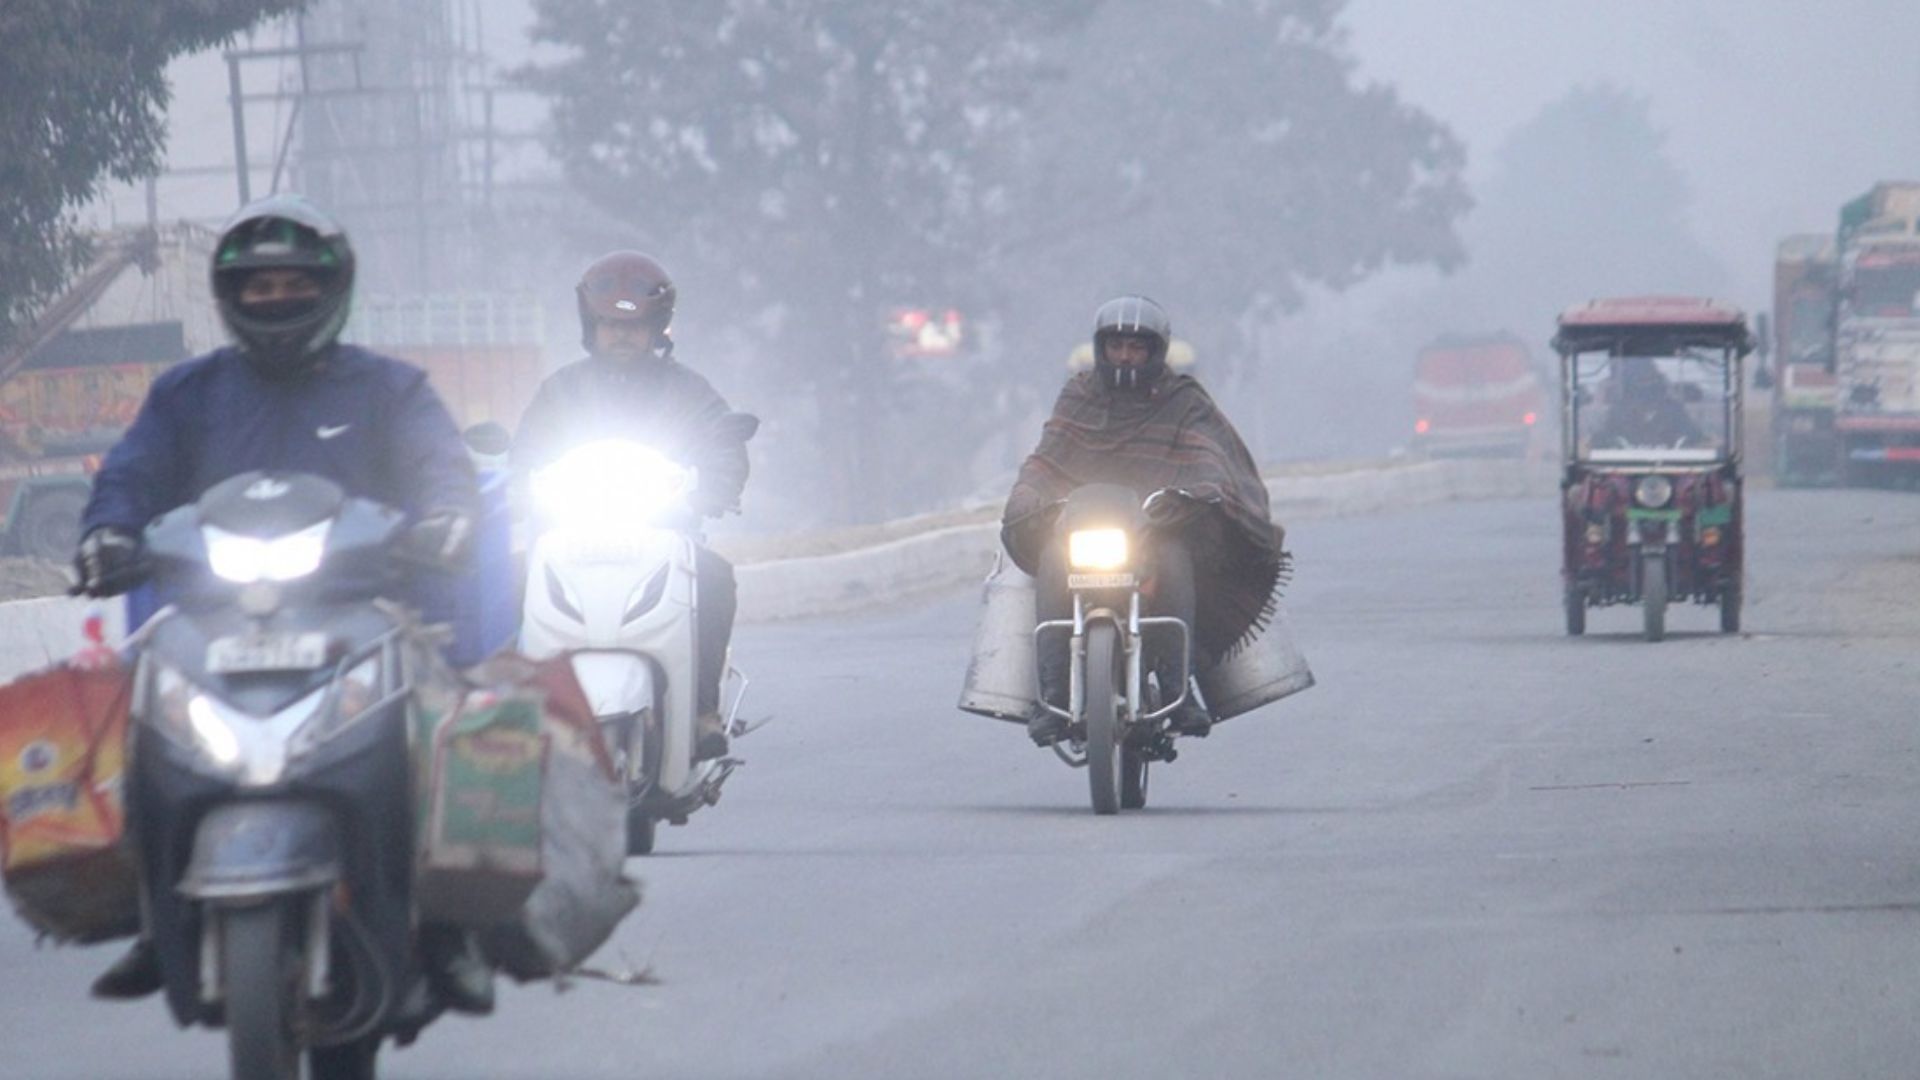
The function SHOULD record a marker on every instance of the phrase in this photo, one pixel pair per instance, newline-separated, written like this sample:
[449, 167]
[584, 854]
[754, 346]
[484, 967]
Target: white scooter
[610, 582]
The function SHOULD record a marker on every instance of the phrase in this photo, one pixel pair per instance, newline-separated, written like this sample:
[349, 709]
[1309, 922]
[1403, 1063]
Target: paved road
[1477, 849]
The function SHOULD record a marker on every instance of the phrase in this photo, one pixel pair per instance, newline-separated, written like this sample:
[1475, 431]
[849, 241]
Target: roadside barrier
[36, 632]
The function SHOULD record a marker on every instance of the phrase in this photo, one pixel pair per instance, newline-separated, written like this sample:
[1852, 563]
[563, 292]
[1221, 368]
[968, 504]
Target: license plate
[244, 653]
[1100, 581]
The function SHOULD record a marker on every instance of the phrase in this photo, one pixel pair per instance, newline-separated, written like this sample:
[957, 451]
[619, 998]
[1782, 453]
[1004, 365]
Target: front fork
[1653, 539]
[1132, 644]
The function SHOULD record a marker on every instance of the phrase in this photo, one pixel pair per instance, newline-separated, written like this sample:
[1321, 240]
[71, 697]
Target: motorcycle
[611, 583]
[1118, 710]
[270, 784]
[1116, 718]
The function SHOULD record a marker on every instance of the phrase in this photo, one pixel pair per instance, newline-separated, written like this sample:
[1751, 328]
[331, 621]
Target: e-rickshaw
[1651, 429]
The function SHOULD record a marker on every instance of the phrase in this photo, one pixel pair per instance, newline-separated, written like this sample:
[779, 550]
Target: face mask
[280, 312]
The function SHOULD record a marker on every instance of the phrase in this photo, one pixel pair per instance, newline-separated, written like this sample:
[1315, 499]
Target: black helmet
[283, 232]
[1131, 316]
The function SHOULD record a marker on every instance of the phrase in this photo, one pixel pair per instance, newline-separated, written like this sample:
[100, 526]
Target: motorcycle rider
[1647, 412]
[629, 385]
[287, 396]
[1212, 554]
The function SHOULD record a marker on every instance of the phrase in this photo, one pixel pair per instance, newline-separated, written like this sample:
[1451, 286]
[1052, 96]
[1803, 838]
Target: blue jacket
[367, 422]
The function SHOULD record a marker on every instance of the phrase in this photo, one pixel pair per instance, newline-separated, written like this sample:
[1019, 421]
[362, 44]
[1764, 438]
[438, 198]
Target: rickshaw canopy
[1652, 326]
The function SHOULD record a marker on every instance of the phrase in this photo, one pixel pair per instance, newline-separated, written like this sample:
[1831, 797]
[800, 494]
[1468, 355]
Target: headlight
[190, 719]
[254, 749]
[611, 483]
[1097, 549]
[1653, 492]
[245, 560]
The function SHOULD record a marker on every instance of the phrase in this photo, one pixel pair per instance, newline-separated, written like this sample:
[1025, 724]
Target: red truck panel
[479, 382]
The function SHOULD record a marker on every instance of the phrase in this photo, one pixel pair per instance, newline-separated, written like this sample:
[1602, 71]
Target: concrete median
[36, 632]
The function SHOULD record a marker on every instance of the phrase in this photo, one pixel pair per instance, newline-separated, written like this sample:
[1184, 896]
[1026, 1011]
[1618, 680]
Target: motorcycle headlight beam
[253, 749]
[611, 483]
[247, 560]
[215, 735]
[1097, 549]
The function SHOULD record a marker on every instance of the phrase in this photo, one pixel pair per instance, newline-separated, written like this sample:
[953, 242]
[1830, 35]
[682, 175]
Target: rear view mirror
[488, 438]
[737, 426]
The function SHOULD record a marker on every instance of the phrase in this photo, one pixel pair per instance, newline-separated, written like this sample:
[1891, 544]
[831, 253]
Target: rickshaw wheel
[1730, 610]
[1576, 611]
[1653, 596]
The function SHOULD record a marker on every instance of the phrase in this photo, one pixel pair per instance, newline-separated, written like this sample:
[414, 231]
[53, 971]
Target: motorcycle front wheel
[1104, 751]
[263, 973]
[1653, 596]
[348, 1061]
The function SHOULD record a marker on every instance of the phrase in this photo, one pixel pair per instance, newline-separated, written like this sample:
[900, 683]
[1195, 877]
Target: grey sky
[1775, 110]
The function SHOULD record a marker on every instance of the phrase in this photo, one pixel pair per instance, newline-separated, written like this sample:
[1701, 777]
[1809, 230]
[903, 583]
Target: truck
[62, 409]
[1477, 395]
[71, 382]
[1804, 448]
[74, 378]
[481, 351]
[1876, 336]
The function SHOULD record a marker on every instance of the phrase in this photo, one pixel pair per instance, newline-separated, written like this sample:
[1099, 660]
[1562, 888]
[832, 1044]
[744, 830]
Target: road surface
[1477, 849]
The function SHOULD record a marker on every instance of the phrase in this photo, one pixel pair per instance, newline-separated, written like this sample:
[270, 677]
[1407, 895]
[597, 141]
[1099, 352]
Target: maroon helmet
[626, 286]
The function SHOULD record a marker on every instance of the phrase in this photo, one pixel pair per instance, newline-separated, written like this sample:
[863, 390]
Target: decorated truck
[1805, 449]
[1876, 339]
[72, 383]
[1477, 395]
[63, 407]
[481, 351]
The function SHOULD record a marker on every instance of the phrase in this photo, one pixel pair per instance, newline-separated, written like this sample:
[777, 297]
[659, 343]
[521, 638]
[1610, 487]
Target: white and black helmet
[1131, 316]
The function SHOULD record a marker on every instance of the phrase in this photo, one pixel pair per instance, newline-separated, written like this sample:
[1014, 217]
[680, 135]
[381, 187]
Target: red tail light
[1420, 427]
[1529, 419]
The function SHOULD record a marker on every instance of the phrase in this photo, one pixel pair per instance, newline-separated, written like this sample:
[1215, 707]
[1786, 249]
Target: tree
[823, 159]
[1585, 203]
[1229, 161]
[83, 94]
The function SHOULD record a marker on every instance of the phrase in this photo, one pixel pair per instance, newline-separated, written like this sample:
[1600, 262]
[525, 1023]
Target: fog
[1625, 146]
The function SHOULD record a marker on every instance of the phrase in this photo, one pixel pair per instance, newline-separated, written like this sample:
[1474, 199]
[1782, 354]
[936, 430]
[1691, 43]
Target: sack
[63, 745]
[583, 893]
[480, 841]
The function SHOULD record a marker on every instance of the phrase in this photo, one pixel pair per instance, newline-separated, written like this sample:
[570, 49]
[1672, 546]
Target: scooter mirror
[738, 426]
[488, 438]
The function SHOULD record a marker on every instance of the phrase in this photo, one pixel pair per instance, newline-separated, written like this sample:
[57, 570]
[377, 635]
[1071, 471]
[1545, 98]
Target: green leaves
[83, 95]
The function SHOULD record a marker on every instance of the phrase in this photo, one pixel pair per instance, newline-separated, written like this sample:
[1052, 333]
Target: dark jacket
[1653, 418]
[1172, 435]
[367, 422]
[656, 401]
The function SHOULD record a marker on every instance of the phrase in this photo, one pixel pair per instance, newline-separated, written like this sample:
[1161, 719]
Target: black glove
[1170, 506]
[109, 562]
[442, 539]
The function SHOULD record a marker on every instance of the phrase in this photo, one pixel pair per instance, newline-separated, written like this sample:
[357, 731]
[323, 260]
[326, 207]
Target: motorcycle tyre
[1653, 596]
[1576, 611]
[1104, 734]
[347, 1061]
[1133, 779]
[1730, 610]
[263, 975]
[641, 831]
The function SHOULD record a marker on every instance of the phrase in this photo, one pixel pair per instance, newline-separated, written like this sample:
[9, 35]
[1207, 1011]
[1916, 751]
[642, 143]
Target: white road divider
[34, 633]
[942, 559]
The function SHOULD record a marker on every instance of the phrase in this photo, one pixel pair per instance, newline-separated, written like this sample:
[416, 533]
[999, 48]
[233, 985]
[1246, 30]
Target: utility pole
[238, 104]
